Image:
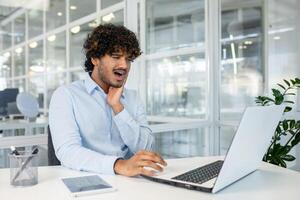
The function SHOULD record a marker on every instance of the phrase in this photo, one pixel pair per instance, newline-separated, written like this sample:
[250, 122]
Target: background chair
[52, 159]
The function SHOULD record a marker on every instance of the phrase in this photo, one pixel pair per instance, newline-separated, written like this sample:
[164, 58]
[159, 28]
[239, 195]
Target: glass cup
[23, 169]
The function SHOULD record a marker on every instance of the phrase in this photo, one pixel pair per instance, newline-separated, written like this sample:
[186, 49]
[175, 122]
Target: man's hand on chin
[113, 99]
[137, 163]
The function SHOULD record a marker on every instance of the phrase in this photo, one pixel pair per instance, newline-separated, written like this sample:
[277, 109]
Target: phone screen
[85, 183]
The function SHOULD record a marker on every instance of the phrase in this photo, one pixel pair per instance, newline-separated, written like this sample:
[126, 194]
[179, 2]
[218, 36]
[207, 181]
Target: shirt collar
[91, 85]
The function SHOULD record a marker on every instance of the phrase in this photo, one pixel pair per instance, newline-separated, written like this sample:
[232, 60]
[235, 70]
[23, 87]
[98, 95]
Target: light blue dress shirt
[87, 135]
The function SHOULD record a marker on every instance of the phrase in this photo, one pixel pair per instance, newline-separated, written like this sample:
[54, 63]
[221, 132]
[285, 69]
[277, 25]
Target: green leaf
[289, 102]
[293, 81]
[278, 129]
[292, 123]
[288, 158]
[288, 83]
[290, 94]
[285, 125]
[276, 92]
[296, 140]
[281, 86]
[297, 80]
[287, 109]
[281, 162]
[297, 125]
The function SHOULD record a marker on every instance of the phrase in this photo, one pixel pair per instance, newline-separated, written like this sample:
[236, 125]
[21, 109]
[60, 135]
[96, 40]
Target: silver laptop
[244, 156]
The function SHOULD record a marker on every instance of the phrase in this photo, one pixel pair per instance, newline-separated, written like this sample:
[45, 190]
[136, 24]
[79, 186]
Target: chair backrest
[52, 159]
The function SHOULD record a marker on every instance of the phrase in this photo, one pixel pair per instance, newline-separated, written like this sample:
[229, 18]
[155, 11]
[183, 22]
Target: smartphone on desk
[87, 185]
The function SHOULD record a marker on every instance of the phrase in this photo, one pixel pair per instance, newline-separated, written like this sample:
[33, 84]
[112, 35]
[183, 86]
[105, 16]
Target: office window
[55, 14]
[177, 85]
[20, 83]
[116, 18]
[56, 52]
[78, 75]
[107, 3]
[183, 143]
[78, 35]
[35, 58]
[19, 57]
[79, 8]
[35, 22]
[181, 27]
[19, 29]
[5, 65]
[242, 71]
[176, 70]
[226, 137]
[6, 35]
[53, 82]
[36, 86]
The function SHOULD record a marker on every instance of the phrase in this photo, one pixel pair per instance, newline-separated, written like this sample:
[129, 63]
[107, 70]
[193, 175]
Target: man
[96, 124]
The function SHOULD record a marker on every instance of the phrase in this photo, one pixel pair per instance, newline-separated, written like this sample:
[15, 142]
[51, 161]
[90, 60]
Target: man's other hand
[135, 165]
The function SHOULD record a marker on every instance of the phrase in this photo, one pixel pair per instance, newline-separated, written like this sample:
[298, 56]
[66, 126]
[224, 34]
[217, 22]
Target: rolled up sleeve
[135, 130]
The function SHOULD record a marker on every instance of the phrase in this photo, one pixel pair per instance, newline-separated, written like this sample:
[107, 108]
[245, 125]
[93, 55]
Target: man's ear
[95, 61]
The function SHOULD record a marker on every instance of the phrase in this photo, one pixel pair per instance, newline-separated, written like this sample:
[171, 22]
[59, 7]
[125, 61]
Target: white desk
[269, 183]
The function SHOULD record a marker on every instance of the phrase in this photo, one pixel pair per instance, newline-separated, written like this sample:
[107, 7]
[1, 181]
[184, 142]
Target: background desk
[269, 183]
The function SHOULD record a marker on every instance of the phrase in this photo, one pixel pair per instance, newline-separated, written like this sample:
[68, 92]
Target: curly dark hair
[109, 39]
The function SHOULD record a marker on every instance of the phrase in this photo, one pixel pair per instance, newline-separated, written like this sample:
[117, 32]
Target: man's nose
[123, 63]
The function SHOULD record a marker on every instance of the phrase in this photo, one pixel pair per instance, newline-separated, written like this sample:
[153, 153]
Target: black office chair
[52, 159]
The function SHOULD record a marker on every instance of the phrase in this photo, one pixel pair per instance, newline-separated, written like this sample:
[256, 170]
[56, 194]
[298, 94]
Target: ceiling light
[51, 38]
[33, 45]
[75, 29]
[248, 42]
[93, 24]
[59, 14]
[36, 68]
[276, 37]
[108, 18]
[73, 7]
[19, 50]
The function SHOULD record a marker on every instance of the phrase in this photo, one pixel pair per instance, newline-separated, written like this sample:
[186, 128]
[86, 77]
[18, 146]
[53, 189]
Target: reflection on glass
[176, 86]
[78, 75]
[53, 82]
[35, 58]
[241, 64]
[56, 52]
[36, 88]
[21, 84]
[6, 35]
[116, 18]
[107, 3]
[55, 14]
[5, 65]
[182, 26]
[35, 23]
[179, 144]
[78, 35]
[19, 29]
[19, 56]
[79, 8]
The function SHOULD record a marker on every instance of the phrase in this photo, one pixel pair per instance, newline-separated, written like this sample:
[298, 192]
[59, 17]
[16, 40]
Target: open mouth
[120, 74]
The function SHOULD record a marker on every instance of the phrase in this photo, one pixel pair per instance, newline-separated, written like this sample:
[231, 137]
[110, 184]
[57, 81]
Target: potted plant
[287, 134]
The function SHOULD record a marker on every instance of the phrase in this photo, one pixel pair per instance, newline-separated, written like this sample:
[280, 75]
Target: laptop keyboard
[201, 174]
